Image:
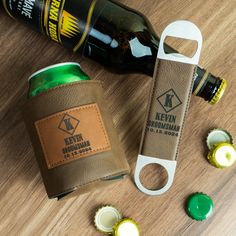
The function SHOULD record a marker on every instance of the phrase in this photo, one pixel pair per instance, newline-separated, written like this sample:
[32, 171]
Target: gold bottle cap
[105, 218]
[219, 93]
[218, 136]
[222, 155]
[126, 227]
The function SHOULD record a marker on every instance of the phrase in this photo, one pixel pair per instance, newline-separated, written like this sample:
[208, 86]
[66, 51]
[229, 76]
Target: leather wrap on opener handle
[168, 105]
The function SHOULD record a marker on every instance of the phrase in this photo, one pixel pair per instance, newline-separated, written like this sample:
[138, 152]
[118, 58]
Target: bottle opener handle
[169, 165]
[180, 29]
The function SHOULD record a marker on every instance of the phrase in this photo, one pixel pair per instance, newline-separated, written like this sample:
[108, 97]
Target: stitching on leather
[185, 114]
[108, 145]
[102, 125]
[148, 105]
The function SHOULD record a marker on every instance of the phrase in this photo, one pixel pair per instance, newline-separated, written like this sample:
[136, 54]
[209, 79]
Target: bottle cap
[219, 93]
[218, 136]
[126, 227]
[105, 218]
[222, 155]
[199, 206]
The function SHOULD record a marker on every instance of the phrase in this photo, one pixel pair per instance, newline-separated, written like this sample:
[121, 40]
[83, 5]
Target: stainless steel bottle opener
[168, 105]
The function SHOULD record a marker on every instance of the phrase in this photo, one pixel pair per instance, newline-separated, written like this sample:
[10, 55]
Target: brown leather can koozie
[74, 139]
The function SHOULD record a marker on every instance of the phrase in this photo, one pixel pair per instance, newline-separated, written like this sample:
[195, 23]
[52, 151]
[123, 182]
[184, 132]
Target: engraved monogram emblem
[169, 100]
[68, 124]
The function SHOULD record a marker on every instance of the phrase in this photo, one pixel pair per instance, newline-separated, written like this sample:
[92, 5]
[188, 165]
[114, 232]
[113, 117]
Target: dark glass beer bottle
[108, 32]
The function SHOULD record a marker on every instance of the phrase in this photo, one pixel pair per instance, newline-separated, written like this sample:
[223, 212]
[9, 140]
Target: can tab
[168, 104]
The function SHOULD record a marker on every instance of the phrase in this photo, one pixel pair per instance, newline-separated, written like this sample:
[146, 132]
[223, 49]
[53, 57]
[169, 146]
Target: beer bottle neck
[208, 86]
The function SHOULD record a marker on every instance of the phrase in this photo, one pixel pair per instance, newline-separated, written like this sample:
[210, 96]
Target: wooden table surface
[24, 207]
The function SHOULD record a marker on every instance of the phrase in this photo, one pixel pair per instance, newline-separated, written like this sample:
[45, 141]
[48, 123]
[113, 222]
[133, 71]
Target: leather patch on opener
[168, 105]
[72, 134]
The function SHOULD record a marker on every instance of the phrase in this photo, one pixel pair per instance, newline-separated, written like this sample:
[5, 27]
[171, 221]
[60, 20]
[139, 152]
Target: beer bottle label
[67, 22]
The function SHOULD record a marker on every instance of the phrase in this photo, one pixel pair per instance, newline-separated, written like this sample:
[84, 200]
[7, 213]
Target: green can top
[199, 206]
[53, 76]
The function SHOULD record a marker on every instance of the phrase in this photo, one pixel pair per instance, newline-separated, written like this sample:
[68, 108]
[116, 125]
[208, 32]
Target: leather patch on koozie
[72, 134]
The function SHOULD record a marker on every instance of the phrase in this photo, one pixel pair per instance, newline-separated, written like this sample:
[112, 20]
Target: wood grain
[24, 207]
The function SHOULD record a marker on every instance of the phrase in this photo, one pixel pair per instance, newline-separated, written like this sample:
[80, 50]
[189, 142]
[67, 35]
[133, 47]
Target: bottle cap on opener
[126, 227]
[105, 219]
[222, 155]
[218, 136]
[199, 206]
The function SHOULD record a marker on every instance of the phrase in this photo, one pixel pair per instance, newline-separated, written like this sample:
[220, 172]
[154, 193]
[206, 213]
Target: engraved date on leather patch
[72, 134]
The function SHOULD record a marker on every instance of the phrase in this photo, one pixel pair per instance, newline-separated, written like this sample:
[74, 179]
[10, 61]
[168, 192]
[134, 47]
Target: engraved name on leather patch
[72, 134]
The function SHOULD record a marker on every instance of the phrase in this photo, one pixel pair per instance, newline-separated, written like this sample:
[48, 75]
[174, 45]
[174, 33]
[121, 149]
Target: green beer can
[55, 75]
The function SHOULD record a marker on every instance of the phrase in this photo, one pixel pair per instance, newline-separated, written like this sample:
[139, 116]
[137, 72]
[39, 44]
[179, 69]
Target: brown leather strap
[168, 105]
